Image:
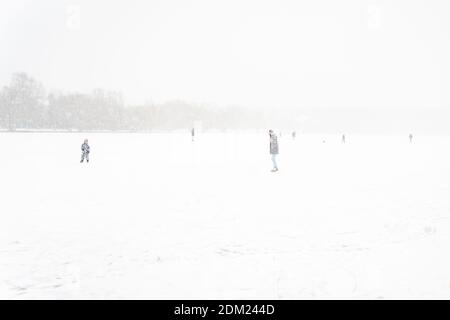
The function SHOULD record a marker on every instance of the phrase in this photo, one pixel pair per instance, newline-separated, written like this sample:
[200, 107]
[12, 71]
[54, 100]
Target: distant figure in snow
[192, 133]
[85, 149]
[343, 138]
[293, 134]
[410, 137]
[273, 149]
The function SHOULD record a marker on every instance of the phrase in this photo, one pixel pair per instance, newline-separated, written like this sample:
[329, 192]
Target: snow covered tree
[23, 102]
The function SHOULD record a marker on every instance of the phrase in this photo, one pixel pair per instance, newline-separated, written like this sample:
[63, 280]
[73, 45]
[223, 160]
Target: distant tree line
[24, 104]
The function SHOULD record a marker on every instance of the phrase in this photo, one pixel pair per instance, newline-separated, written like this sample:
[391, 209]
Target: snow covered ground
[156, 216]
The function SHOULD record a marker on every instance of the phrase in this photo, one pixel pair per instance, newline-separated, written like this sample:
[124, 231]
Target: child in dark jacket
[85, 149]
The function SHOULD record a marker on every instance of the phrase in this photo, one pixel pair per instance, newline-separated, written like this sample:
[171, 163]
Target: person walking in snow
[273, 149]
[410, 137]
[192, 133]
[85, 149]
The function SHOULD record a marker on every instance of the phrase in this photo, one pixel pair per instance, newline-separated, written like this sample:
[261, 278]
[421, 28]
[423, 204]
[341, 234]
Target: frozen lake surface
[156, 216]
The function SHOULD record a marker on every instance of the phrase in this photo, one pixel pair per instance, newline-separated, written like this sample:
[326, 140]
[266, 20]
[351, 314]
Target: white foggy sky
[327, 53]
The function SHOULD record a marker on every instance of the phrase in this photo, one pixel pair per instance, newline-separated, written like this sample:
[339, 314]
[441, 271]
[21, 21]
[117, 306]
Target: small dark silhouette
[410, 138]
[192, 133]
[85, 149]
[343, 138]
[293, 134]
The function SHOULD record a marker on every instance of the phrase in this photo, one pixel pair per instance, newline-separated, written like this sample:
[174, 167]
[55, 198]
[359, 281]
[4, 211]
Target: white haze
[332, 55]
